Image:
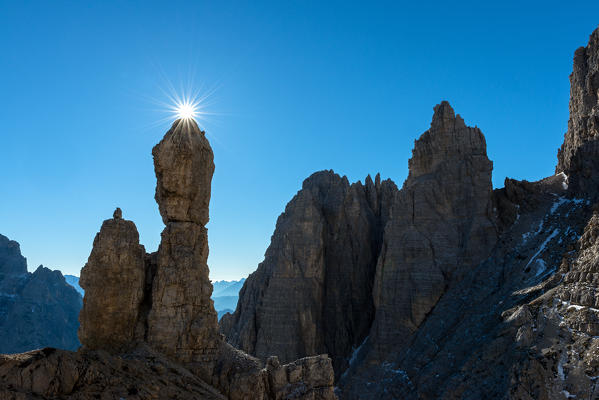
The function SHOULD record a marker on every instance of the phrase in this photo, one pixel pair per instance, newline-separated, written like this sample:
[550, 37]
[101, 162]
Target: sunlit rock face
[578, 156]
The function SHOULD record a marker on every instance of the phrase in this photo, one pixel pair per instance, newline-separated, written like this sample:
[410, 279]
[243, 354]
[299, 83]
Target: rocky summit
[37, 309]
[148, 326]
[448, 289]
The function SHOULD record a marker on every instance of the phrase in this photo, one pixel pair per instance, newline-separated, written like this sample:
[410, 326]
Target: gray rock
[114, 280]
[36, 309]
[313, 292]
[579, 154]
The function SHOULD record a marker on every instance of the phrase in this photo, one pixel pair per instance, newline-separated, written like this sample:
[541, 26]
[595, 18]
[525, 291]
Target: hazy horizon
[292, 88]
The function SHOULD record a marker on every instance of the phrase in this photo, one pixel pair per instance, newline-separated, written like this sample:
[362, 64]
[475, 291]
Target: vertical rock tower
[182, 322]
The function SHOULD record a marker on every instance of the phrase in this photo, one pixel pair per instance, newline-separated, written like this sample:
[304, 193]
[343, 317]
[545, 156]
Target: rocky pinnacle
[182, 321]
[578, 156]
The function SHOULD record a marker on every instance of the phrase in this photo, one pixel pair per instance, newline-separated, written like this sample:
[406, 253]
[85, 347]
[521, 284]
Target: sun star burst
[186, 110]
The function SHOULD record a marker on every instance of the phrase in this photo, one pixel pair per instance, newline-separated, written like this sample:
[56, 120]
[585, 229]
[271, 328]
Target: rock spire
[578, 156]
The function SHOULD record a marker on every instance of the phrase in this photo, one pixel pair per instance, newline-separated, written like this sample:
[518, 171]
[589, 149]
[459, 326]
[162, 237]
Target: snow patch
[564, 181]
[560, 367]
[543, 246]
[558, 203]
[389, 367]
[542, 267]
[356, 351]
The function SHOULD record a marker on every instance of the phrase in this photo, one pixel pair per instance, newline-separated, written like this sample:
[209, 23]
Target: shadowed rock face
[442, 225]
[480, 294]
[11, 260]
[114, 283]
[182, 322]
[313, 292]
[183, 162]
[36, 309]
[347, 262]
[579, 154]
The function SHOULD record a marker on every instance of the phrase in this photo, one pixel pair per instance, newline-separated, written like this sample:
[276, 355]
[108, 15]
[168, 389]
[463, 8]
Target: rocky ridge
[36, 309]
[148, 325]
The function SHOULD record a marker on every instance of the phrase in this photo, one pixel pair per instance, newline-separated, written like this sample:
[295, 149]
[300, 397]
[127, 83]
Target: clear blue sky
[298, 87]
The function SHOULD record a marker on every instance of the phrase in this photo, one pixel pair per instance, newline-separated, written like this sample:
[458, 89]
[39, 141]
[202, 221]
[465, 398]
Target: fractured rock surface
[182, 322]
[312, 293]
[114, 282]
[442, 225]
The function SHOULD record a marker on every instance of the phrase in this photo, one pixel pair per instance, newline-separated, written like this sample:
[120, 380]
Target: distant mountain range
[225, 293]
[74, 281]
[37, 309]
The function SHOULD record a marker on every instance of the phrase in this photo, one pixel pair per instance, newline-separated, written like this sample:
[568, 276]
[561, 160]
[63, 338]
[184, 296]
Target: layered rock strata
[443, 225]
[313, 292]
[182, 322]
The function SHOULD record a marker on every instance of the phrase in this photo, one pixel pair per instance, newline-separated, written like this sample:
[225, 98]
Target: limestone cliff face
[443, 225]
[36, 309]
[313, 292]
[578, 156]
[350, 262]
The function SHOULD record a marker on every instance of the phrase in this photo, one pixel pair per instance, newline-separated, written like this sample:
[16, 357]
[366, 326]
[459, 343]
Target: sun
[186, 110]
[186, 104]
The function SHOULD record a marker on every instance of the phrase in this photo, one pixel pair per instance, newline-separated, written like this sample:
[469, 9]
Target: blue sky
[296, 87]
